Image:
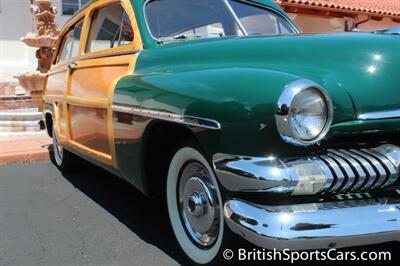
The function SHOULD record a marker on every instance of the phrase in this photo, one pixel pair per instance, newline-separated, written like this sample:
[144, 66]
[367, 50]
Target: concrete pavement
[88, 218]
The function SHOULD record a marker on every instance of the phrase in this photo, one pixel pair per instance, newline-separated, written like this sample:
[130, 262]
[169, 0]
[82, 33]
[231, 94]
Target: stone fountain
[45, 39]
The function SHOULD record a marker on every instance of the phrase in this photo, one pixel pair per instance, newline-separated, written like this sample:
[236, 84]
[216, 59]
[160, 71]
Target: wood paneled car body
[250, 127]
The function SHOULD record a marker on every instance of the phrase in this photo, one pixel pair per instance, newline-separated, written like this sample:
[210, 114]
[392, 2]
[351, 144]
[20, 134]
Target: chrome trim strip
[379, 115]
[315, 225]
[176, 118]
[88, 57]
[241, 27]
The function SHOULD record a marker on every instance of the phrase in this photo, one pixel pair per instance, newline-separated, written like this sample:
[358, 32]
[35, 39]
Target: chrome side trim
[315, 225]
[379, 115]
[181, 119]
[90, 57]
[284, 106]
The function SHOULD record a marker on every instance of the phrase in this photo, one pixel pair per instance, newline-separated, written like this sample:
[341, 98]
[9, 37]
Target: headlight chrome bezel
[285, 101]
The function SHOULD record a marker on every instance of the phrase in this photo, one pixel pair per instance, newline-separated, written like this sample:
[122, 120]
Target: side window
[260, 21]
[110, 27]
[71, 42]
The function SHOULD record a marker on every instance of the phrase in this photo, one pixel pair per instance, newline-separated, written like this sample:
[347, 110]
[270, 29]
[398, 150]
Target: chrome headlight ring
[284, 111]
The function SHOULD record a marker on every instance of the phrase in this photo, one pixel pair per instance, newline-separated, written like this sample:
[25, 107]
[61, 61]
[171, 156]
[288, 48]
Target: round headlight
[304, 113]
[308, 114]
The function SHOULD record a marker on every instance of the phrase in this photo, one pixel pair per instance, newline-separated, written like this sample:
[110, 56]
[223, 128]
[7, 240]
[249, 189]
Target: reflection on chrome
[335, 170]
[315, 225]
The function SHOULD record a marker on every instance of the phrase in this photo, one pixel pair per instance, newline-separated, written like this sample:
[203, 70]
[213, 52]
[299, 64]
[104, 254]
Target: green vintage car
[248, 126]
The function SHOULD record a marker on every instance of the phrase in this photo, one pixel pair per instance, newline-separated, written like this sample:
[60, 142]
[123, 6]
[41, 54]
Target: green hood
[366, 66]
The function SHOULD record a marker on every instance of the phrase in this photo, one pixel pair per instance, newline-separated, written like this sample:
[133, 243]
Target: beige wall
[15, 22]
[315, 24]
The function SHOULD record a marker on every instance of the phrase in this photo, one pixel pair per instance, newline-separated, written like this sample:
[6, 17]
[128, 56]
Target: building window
[69, 7]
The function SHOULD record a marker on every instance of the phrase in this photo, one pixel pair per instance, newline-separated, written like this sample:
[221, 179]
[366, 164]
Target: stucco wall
[315, 24]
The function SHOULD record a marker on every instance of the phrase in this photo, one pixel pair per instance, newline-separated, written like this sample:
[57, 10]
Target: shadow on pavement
[146, 217]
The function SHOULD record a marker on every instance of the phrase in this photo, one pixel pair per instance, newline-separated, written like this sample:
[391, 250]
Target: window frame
[133, 22]
[85, 14]
[268, 8]
[93, 23]
[63, 41]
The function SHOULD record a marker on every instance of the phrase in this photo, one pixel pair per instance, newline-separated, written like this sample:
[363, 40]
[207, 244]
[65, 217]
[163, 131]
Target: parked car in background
[248, 126]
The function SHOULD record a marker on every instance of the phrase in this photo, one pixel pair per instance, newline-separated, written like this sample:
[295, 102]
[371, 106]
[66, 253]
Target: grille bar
[369, 170]
[359, 169]
[391, 170]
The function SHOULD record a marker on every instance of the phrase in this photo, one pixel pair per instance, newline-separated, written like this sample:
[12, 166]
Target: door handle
[71, 66]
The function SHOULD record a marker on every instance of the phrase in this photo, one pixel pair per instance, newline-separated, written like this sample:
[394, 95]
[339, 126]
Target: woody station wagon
[249, 127]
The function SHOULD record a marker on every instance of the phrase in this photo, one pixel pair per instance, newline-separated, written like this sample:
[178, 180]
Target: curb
[24, 157]
[25, 148]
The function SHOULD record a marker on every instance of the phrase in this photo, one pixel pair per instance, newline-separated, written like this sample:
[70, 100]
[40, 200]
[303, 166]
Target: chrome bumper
[315, 225]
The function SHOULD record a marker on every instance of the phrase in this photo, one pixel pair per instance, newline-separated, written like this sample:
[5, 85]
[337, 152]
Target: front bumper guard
[315, 225]
[354, 170]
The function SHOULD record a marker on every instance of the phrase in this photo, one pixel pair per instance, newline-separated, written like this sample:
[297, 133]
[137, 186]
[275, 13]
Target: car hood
[365, 65]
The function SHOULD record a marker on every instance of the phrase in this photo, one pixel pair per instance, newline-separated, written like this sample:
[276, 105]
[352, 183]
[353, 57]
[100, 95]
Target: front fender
[242, 100]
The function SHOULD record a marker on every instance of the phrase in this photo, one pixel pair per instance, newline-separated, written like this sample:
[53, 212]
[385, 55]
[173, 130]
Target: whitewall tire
[195, 206]
[63, 159]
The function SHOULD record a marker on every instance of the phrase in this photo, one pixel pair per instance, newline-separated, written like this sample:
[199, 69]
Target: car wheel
[195, 207]
[62, 158]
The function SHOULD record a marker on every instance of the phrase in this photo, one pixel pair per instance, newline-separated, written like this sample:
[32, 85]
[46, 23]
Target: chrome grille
[360, 169]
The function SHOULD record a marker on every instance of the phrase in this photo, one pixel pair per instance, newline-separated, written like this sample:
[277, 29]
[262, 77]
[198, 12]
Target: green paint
[237, 81]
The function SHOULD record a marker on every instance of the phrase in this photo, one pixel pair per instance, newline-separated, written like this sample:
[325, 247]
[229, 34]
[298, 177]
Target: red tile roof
[379, 7]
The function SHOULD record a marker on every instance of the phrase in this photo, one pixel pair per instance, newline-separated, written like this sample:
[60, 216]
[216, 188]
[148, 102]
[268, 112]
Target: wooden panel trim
[87, 102]
[51, 98]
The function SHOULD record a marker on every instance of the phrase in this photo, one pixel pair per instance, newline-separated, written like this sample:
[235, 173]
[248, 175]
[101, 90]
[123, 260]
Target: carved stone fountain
[45, 39]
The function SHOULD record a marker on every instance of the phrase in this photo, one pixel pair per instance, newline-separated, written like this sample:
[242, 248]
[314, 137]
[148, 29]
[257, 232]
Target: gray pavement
[85, 218]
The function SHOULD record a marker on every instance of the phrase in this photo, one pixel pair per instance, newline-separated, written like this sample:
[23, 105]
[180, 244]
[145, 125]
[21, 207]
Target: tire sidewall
[57, 158]
[192, 251]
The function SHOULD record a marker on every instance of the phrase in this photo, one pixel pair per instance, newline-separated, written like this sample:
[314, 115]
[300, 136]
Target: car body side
[219, 92]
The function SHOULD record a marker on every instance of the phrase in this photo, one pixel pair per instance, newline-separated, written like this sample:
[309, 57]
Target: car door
[109, 53]
[58, 77]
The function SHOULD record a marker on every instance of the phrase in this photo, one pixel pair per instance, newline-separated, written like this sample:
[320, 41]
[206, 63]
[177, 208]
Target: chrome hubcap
[199, 204]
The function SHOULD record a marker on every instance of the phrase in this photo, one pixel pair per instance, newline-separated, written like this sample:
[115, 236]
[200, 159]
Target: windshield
[182, 19]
